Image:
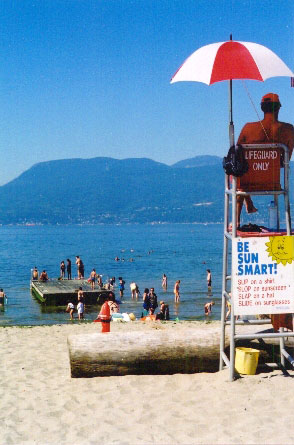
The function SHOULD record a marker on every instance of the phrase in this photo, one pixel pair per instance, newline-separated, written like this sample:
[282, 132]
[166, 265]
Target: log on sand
[151, 352]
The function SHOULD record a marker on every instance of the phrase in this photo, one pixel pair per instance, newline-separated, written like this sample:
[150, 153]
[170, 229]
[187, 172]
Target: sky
[88, 78]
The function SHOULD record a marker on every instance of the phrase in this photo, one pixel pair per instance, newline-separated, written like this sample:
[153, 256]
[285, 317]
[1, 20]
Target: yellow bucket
[246, 360]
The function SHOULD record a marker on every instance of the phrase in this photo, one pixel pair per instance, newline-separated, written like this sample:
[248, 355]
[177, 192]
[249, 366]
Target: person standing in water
[208, 307]
[164, 282]
[208, 279]
[177, 291]
[2, 297]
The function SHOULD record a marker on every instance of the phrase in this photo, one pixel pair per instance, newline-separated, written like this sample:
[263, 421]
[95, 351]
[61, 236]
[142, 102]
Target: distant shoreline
[153, 223]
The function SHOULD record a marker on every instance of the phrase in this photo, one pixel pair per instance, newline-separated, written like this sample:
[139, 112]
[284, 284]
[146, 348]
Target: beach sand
[42, 404]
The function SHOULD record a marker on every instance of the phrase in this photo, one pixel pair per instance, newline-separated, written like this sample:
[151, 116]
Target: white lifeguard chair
[261, 179]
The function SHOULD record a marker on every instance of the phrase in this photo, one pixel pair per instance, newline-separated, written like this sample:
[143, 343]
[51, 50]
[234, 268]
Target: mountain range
[107, 190]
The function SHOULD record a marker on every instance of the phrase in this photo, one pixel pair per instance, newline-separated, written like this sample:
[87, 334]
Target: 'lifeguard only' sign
[263, 275]
[263, 170]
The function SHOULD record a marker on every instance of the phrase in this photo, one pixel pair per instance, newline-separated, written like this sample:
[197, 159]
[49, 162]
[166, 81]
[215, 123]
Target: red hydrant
[104, 317]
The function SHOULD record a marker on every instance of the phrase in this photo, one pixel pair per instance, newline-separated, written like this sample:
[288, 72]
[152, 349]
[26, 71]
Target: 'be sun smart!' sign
[263, 275]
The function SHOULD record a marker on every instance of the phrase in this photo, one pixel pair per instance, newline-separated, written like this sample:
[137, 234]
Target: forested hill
[106, 190]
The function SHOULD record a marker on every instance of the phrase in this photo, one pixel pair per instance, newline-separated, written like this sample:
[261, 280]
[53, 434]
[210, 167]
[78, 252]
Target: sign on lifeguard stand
[263, 172]
[263, 275]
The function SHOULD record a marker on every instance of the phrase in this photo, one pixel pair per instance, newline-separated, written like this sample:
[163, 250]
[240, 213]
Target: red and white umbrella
[231, 60]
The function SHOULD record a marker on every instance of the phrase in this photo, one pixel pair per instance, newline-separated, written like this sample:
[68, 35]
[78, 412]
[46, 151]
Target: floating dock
[59, 292]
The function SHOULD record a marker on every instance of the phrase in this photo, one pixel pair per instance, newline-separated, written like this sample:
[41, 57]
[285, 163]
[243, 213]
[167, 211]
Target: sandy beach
[42, 404]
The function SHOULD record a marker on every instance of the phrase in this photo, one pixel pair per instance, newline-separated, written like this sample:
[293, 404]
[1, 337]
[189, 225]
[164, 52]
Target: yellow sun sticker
[281, 249]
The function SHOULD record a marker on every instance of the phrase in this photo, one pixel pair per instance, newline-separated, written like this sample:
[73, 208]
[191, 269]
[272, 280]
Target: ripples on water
[181, 251]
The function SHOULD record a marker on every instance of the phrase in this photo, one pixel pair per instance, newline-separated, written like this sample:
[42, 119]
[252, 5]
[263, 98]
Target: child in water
[80, 308]
[208, 307]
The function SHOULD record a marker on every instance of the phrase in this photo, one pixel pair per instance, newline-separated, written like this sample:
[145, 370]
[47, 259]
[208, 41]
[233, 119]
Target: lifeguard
[266, 131]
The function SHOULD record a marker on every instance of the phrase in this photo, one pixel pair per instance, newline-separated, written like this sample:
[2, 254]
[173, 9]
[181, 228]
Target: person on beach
[35, 274]
[208, 279]
[208, 307]
[164, 282]
[146, 301]
[152, 300]
[80, 308]
[68, 268]
[113, 304]
[270, 129]
[164, 311]
[70, 309]
[43, 276]
[62, 270]
[93, 278]
[2, 297]
[177, 291]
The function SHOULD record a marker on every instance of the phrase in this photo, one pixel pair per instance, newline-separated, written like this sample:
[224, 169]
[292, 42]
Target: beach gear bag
[235, 163]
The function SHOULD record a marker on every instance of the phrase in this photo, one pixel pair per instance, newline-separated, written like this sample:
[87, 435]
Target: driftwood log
[137, 352]
[152, 352]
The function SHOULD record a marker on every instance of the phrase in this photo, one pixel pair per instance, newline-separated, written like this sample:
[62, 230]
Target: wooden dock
[59, 292]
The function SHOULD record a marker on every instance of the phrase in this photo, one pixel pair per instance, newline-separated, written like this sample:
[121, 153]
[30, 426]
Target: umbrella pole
[231, 125]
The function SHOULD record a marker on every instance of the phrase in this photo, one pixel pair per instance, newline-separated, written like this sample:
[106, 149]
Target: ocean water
[181, 251]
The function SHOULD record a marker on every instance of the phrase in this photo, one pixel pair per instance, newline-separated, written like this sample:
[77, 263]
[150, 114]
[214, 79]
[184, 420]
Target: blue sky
[83, 78]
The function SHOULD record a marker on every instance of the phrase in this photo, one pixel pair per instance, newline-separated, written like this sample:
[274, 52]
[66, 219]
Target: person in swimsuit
[68, 269]
[93, 278]
[35, 275]
[78, 263]
[113, 305]
[164, 282]
[43, 276]
[208, 279]
[80, 307]
[2, 297]
[62, 270]
[177, 291]
[208, 307]
[146, 301]
[269, 130]
[70, 309]
[121, 287]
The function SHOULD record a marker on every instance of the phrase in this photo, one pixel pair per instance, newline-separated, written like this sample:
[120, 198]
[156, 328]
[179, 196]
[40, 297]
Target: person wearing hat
[270, 129]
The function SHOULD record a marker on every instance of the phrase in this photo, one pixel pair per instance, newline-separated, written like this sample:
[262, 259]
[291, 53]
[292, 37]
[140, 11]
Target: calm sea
[181, 251]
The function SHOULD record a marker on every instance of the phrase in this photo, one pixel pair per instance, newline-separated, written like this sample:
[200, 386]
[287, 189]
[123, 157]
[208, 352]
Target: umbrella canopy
[231, 60]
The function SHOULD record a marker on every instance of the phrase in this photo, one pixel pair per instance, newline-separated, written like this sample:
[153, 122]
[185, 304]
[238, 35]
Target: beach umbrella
[231, 60]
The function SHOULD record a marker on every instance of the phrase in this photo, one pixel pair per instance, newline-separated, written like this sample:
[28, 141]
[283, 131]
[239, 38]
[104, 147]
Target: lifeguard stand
[257, 181]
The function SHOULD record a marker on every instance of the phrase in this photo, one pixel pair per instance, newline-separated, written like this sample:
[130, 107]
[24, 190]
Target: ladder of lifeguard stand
[232, 192]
